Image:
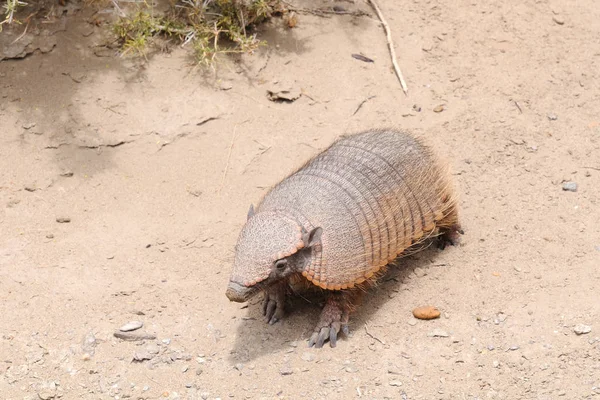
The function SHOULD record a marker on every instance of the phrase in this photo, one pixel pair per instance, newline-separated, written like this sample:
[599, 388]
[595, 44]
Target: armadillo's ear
[251, 211]
[313, 237]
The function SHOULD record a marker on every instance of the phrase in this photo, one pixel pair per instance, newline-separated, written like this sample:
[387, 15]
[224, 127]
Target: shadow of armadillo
[256, 338]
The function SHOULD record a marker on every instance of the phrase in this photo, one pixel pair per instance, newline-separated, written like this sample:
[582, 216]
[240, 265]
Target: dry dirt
[129, 153]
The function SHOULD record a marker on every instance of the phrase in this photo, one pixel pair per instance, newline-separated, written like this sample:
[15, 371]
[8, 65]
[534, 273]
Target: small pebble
[438, 109]
[143, 355]
[491, 347]
[438, 333]
[552, 117]
[199, 371]
[426, 312]
[420, 272]
[50, 236]
[308, 356]
[166, 341]
[558, 19]
[67, 174]
[570, 186]
[29, 125]
[185, 368]
[86, 357]
[395, 383]
[417, 108]
[496, 364]
[63, 220]
[145, 388]
[225, 85]
[131, 326]
[513, 348]
[286, 371]
[393, 371]
[188, 385]
[582, 329]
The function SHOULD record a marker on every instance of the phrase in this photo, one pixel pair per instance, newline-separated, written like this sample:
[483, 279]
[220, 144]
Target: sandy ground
[136, 155]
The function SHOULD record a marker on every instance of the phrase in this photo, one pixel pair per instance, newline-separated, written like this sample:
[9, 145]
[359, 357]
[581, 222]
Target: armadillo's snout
[238, 293]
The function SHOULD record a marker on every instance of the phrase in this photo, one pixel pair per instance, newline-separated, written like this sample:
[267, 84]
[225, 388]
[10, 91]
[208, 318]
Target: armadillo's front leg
[274, 302]
[334, 317]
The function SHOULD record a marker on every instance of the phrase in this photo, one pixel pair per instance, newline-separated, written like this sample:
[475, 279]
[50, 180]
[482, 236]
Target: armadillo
[339, 221]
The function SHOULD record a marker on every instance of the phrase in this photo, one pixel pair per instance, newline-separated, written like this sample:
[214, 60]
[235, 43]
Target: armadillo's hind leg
[450, 228]
[450, 236]
[334, 317]
[274, 302]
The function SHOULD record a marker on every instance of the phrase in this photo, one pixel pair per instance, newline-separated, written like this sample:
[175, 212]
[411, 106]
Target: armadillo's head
[271, 247]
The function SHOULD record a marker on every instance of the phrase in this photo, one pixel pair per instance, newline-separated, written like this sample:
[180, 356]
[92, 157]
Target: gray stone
[570, 186]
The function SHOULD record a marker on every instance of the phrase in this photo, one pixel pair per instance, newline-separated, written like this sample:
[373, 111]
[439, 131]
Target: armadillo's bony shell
[373, 194]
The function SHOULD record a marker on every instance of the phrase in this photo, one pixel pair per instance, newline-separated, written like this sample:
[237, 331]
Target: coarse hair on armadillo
[374, 194]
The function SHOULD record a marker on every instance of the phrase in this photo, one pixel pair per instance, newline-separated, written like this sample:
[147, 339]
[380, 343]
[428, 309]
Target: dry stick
[390, 45]
[228, 159]
[372, 336]
[21, 35]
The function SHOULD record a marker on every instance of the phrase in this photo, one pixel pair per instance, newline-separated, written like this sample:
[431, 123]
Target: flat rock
[582, 329]
[438, 333]
[286, 371]
[13, 46]
[131, 326]
[134, 336]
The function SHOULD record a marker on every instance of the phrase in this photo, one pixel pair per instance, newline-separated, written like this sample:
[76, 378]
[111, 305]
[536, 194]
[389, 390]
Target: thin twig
[594, 168]
[374, 337]
[363, 102]
[228, 158]
[21, 35]
[519, 107]
[390, 45]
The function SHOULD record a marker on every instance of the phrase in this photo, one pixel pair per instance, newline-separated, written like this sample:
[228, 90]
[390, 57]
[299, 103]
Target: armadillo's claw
[334, 318]
[346, 330]
[332, 337]
[318, 338]
[273, 303]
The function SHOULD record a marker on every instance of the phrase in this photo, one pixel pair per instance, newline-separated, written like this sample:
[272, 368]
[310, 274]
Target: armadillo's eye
[281, 264]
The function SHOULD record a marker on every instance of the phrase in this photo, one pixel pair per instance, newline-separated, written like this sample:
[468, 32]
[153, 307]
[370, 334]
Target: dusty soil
[155, 165]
